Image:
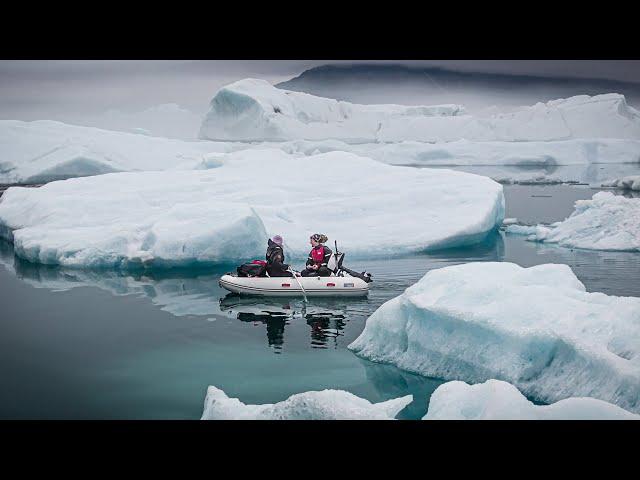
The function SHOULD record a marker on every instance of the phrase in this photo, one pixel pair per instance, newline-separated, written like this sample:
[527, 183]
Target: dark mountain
[433, 85]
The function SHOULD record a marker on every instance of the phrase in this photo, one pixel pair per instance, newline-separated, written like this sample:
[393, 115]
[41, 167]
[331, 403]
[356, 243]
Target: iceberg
[582, 116]
[467, 153]
[498, 400]
[320, 405]
[226, 214]
[576, 160]
[44, 150]
[631, 182]
[255, 110]
[537, 328]
[41, 151]
[606, 222]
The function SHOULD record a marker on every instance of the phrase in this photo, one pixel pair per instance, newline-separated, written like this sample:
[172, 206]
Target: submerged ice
[536, 328]
[226, 214]
[320, 405]
[498, 400]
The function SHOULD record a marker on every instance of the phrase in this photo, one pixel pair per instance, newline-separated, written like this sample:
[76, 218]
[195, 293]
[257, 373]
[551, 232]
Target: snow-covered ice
[255, 110]
[498, 400]
[226, 214]
[45, 150]
[606, 222]
[536, 328]
[463, 152]
[631, 182]
[591, 160]
[315, 405]
[582, 116]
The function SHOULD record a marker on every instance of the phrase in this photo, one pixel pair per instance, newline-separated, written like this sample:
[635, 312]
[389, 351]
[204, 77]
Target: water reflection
[391, 382]
[592, 173]
[325, 319]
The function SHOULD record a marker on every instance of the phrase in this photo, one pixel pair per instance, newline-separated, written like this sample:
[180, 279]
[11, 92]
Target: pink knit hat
[277, 239]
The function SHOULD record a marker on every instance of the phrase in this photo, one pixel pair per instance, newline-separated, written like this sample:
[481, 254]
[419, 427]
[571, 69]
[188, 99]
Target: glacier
[226, 213]
[606, 222]
[537, 328]
[254, 110]
[498, 400]
[314, 405]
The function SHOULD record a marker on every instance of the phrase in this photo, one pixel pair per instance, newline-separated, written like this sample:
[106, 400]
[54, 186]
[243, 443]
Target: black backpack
[252, 269]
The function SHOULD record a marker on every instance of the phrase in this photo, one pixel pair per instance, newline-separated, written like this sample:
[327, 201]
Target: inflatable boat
[334, 286]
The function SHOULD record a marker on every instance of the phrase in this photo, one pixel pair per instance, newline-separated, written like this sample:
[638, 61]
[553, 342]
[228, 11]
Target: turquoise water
[99, 344]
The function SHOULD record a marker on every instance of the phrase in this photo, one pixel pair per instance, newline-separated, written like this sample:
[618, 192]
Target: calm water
[90, 344]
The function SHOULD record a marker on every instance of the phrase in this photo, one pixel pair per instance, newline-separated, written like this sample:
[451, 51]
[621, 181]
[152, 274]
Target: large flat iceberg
[498, 400]
[591, 160]
[255, 110]
[606, 222]
[536, 328]
[226, 214]
[45, 150]
[320, 405]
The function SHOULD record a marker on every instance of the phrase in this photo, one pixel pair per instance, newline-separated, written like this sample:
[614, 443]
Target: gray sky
[66, 89]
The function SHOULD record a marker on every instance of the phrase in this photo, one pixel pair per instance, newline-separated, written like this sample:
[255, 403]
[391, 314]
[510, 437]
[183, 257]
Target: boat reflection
[326, 320]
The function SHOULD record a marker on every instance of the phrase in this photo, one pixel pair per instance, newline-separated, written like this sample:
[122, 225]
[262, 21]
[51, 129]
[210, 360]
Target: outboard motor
[335, 265]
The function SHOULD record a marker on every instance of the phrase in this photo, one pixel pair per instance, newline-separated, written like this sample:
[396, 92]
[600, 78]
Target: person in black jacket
[318, 257]
[275, 258]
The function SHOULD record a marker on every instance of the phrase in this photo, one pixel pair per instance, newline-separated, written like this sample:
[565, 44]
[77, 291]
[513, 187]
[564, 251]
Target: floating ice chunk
[527, 230]
[589, 161]
[219, 215]
[44, 150]
[631, 182]
[606, 222]
[498, 400]
[255, 110]
[509, 221]
[536, 328]
[321, 405]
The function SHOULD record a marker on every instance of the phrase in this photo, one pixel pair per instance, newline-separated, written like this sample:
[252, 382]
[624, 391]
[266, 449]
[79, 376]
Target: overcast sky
[32, 89]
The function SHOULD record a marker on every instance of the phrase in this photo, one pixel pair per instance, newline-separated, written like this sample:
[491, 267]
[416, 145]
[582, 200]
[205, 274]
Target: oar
[304, 294]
